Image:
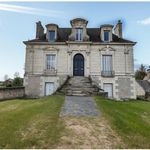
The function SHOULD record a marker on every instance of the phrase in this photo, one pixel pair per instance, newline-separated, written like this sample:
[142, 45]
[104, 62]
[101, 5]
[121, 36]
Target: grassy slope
[31, 123]
[130, 119]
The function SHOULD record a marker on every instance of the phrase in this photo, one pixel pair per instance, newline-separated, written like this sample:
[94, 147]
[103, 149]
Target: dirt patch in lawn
[89, 133]
[9, 108]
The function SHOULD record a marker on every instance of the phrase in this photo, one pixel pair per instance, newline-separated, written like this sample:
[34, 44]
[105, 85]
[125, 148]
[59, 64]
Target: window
[107, 65]
[51, 35]
[49, 88]
[108, 87]
[106, 35]
[79, 34]
[51, 61]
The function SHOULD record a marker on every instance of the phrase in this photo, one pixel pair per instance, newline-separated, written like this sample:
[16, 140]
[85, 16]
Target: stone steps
[73, 94]
[79, 86]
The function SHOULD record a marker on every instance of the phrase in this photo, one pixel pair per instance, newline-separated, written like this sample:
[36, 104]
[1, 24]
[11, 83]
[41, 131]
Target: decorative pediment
[78, 22]
[107, 48]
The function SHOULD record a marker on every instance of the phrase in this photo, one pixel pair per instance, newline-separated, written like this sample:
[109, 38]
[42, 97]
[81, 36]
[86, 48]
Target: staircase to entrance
[78, 86]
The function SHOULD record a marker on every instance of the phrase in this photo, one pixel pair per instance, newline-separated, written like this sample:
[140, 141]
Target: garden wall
[11, 92]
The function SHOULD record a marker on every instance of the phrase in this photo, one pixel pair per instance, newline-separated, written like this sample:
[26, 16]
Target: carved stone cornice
[69, 52]
[51, 48]
[126, 51]
[31, 50]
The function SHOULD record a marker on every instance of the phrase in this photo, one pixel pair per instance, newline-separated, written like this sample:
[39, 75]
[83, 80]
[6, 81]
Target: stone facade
[36, 73]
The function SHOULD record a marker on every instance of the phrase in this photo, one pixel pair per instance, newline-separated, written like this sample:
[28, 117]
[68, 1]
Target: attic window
[106, 35]
[79, 34]
[52, 35]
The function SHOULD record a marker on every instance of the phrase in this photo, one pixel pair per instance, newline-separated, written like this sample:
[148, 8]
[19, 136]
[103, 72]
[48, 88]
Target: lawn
[36, 124]
[130, 119]
[31, 123]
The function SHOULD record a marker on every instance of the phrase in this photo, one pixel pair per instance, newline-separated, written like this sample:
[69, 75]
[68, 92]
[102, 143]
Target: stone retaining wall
[11, 92]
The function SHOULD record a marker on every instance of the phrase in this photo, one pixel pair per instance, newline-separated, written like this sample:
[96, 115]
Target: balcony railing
[50, 72]
[108, 73]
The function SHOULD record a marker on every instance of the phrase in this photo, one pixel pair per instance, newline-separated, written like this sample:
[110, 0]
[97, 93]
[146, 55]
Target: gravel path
[79, 106]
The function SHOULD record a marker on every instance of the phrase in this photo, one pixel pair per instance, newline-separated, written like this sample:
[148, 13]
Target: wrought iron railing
[108, 73]
[50, 72]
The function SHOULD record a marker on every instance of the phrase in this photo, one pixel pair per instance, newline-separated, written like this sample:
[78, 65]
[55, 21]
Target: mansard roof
[63, 34]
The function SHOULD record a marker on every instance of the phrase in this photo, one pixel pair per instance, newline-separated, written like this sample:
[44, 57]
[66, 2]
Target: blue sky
[17, 24]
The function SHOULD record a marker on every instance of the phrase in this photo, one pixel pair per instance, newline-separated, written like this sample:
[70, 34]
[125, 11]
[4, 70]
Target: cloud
[30, 10]
[145, 21]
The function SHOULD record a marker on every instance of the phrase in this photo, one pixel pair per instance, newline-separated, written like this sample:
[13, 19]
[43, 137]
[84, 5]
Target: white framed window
[108, 87]
[79, 34]
[107, 67]
[51, 61]
[49, 88]
[107, 62]
[106, 35]
[51, 35]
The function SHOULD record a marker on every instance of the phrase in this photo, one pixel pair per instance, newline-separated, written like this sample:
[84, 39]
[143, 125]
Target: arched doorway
[78, 65]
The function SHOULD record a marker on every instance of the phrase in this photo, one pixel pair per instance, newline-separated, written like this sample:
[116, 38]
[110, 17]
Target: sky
[18, 22]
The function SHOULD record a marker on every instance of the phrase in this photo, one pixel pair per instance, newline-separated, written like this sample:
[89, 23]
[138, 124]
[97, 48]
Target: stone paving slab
[79, 106]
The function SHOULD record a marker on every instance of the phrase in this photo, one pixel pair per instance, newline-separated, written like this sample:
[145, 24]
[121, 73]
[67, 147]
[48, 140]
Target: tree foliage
[140, 73]
[17, 81]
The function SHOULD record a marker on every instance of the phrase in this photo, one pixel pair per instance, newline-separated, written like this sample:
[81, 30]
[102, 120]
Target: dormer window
[106, 35]
[52, 36]
[106, 32]
[79, 34]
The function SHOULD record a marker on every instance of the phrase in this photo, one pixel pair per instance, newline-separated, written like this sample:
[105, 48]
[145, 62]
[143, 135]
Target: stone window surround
[78, 32]
[44, 79]
[48, 52]
[45, 87]
[51, 27]
[108, 31]
[49, 36]
[112, 88]
[48, 65]
[86, 61]
[110, 81]
[78, 23]
[106, 28]
[107, 51]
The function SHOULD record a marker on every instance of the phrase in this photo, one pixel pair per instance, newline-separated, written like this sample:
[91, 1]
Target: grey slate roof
[144, 84]
[63, 34]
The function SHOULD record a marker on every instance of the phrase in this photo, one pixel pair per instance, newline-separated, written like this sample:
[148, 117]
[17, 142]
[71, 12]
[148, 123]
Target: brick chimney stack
[39, 30]
[118, 29]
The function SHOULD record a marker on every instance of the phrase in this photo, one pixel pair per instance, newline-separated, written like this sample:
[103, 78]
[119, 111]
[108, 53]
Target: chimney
[39, 30]
[118, 29]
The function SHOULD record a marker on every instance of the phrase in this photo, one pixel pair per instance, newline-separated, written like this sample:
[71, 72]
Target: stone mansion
[102, 54]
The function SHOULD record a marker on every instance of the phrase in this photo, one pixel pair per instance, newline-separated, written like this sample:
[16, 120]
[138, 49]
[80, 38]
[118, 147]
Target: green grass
[131, 120]
[31, 123]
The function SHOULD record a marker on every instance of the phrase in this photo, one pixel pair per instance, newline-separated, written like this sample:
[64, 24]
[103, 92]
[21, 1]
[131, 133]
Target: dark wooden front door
[78, 65]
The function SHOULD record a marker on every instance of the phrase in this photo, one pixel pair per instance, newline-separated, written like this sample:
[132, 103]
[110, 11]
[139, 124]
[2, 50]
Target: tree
[140, 73]
[18, 81]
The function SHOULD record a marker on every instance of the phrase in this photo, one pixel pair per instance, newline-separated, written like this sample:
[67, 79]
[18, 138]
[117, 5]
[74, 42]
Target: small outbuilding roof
[144, 84]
